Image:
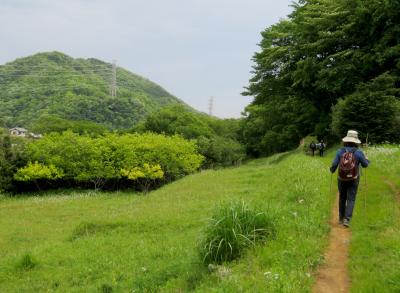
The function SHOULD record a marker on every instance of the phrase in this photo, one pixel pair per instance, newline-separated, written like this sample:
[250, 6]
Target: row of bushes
[140, 160]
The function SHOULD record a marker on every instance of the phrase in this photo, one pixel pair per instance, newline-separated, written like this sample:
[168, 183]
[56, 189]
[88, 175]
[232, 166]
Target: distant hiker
[321, 148]
[313, 147]
[348, 159]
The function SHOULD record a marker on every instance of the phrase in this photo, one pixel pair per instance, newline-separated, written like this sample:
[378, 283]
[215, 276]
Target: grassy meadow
[77, 241]
[375, 243]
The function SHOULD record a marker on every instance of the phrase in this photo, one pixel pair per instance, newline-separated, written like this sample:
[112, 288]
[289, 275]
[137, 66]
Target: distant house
[18, 131]
[22, 132]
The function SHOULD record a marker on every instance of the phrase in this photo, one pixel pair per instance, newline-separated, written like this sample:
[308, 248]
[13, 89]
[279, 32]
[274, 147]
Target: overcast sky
[195, 49]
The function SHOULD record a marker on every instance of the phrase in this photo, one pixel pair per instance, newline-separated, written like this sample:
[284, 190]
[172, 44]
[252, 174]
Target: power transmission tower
[114, 79]
[210, 106]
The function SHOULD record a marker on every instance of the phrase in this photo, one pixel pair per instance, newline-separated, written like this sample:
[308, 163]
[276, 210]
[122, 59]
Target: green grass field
[71, 241]
[375, 245]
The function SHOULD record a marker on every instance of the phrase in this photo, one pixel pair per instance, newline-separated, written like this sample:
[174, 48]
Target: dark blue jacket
[358, 154]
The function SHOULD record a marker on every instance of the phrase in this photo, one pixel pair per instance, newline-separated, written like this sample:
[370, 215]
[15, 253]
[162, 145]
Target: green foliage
[325, 52]
[373, 110]
[12, 157]
[233, 228]
[177, 120]
[143, 158]
[52, 123]
[35, 171]
[145, 171]
[217, 139]
[75, 89]
[220, 151]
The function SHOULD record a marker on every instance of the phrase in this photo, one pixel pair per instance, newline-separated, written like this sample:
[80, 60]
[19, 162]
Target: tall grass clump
[232, 229]
[26, 263]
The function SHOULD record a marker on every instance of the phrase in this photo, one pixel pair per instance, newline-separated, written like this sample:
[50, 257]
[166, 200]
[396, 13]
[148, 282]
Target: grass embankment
[123, 242]
[375, 244]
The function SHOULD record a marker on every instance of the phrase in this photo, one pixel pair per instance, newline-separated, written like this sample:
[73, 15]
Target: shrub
[233, 228]
[144, 160]
[36, 171]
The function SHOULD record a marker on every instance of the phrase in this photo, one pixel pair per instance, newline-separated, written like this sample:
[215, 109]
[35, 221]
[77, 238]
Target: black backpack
[348, 166]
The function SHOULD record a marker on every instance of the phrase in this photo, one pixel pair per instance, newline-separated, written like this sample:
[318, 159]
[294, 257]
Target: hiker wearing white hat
[348, 159]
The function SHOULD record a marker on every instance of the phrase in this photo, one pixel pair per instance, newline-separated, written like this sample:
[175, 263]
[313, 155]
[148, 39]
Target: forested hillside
[333, 65]
[49, 86]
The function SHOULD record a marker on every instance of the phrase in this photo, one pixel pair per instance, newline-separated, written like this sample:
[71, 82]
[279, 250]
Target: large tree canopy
[326, 51]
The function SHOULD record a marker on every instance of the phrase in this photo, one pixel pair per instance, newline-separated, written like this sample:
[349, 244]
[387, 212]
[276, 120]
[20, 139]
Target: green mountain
[56, 85]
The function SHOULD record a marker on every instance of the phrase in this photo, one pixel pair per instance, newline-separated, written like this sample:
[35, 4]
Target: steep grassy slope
[76, 89]
[77, 241]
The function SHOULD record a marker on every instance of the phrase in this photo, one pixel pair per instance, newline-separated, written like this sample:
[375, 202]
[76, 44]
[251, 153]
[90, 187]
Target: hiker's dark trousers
[347, 197]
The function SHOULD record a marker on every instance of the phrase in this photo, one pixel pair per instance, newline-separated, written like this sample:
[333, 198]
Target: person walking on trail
[321, 148]
[348, 159]
[313, 147]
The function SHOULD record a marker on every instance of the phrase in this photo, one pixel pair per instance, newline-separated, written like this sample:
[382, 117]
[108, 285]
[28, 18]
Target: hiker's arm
[335, 162]
[363, 160]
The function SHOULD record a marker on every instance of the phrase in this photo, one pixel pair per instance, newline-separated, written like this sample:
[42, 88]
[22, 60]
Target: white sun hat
[352, 136]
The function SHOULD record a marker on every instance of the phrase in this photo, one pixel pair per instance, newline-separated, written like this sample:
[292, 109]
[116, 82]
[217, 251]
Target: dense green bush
[233, 228]
[220, 151]
[217, 139]
[142, 159]
[12, 157]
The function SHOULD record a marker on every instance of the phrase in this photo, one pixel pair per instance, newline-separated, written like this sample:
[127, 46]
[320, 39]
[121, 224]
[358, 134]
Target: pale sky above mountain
[195, 49]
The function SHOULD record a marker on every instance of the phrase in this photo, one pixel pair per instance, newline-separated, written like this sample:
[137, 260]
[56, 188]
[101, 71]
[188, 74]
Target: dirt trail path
[332, 276]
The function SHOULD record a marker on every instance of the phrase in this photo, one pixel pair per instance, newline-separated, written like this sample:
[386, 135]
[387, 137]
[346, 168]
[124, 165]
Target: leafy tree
[177, 120]
[373, 110]
[324, 52]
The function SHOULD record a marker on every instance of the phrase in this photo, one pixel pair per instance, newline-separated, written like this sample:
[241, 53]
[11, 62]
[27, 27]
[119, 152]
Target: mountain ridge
[53, 83]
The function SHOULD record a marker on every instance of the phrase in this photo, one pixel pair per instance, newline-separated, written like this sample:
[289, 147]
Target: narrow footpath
[333, 276]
